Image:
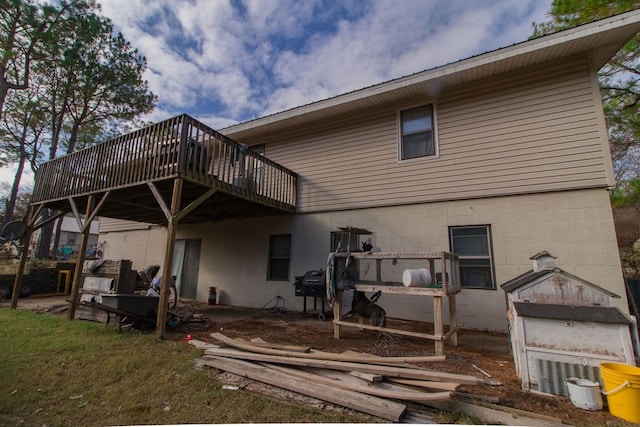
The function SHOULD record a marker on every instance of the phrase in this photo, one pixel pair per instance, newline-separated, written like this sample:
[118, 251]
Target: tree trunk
[56, 238]
[4, 89]
[73, 135]
[45, 236]
[15, 188]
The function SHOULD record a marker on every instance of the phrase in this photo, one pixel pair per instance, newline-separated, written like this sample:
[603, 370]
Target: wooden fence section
[178, 147]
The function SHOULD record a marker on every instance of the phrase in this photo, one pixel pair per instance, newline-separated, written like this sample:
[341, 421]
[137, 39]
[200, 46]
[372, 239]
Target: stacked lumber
[379, 386]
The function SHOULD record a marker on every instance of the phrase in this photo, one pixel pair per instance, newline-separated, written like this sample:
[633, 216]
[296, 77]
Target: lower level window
[473, 245]
[279, 257]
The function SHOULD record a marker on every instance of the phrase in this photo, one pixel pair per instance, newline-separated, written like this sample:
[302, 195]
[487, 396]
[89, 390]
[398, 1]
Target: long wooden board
[389, 330]
[373, 378]
[371, 389]
[295, 348]
[392, 371]
[365, 357]
[375, 406]
[386, 384]
[435, 385]
[498, 414]
[320, 355]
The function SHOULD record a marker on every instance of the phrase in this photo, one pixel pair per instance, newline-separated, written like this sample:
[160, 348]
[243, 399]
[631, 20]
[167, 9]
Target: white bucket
[416, 277]
[584, 394]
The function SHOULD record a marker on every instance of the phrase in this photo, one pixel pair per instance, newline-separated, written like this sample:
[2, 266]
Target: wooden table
[445, 263]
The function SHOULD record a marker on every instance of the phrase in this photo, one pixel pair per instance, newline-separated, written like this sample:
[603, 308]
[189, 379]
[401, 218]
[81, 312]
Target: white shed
[562, 326]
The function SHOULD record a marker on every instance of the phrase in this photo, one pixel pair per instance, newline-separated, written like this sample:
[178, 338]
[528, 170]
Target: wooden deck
[222, 178]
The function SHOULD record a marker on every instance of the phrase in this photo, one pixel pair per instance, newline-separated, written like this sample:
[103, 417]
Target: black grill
[312, 284]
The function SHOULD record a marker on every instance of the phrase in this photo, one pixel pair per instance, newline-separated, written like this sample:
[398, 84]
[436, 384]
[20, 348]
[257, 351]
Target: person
[156, 284]
[148, 273]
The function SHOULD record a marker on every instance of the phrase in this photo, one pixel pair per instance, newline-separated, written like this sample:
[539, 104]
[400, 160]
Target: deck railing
[180, 146]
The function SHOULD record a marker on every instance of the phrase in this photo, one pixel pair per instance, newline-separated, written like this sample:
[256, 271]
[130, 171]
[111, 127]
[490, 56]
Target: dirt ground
[476, 351]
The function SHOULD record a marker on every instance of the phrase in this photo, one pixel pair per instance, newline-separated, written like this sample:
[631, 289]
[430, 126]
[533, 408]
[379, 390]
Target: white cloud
[220, 60]
[8, 175]
[223, 63]
[397, 39]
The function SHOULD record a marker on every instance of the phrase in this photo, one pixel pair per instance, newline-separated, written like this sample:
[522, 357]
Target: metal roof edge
[577, 313]
[531, 276]
[523, 279]
[501, 54]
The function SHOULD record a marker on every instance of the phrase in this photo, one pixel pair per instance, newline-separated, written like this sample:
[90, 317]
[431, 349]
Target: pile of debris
[375, 385]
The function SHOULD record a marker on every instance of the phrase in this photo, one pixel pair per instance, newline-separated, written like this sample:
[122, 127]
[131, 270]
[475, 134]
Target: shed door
[186, 264]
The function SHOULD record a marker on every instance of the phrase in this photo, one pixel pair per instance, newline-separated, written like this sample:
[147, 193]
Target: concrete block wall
[575, 226]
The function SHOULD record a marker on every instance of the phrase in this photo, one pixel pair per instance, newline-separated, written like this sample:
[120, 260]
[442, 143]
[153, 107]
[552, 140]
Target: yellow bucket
[622, 388]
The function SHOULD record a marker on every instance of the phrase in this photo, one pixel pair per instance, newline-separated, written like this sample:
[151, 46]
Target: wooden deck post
[17, 283]
[438, 327]
[168, 258]
[337, 313]
[453, 320]
[82, 250]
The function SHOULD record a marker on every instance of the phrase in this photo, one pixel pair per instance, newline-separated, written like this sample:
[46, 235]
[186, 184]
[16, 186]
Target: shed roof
[523, 279]
[532, 276]
[610, 315]
[604, 38]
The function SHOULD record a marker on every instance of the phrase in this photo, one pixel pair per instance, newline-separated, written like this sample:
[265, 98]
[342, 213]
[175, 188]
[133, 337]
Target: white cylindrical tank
[416, 277]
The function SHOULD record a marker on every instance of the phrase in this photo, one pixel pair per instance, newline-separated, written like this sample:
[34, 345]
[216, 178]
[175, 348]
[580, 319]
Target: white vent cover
[543, 261]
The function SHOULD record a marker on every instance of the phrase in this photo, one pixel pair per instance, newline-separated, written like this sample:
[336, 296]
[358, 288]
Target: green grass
[56, 372]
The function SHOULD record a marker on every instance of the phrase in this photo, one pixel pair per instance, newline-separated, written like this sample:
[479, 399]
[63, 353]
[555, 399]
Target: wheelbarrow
[140, 309]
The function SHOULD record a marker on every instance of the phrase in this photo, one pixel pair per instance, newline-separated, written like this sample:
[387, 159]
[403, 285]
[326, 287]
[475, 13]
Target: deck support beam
[26, 239]
[173, 215]
[172, 225]
[82, 250]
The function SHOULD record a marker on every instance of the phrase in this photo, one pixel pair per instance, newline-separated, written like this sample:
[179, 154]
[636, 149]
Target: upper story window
[473, 245]
[250, 169]
[258, 148]
[417, 133]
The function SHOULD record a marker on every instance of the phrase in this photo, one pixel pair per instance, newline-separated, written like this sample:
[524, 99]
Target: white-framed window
[279, 257]
[473, 245]
[351, 239]
[417, 132]
[343, 241]
[258, 149]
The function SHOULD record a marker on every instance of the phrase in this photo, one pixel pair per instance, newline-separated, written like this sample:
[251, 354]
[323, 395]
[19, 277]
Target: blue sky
[228, 61]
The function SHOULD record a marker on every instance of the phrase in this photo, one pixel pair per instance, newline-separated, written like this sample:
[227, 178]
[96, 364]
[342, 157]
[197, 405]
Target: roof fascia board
[490, 58]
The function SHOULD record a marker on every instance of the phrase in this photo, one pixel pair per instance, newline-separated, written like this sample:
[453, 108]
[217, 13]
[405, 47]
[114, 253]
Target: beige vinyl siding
[535, 130]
